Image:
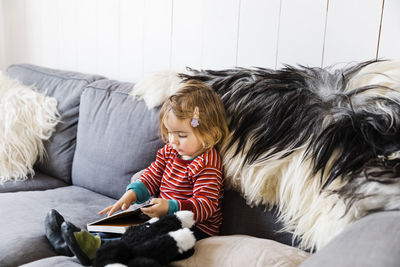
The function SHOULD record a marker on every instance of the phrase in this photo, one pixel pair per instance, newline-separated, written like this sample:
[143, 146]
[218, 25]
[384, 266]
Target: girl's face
[182, 137]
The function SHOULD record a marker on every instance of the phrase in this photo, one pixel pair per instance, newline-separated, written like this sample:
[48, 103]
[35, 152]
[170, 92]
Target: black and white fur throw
[321, 144]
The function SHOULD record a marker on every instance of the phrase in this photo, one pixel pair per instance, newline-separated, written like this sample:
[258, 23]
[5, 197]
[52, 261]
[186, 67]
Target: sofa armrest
[369, 242]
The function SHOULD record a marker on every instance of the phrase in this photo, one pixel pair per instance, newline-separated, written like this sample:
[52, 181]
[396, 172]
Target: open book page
[120, 221]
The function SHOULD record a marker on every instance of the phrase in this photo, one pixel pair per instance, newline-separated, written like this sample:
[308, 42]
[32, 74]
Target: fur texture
[321, 144]
[156, 88]
[184, 239]
[26, 119]
[186, 218]
[150, 244]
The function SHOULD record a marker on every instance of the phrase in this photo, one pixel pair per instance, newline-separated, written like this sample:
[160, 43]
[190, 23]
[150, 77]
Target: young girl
[187, 173]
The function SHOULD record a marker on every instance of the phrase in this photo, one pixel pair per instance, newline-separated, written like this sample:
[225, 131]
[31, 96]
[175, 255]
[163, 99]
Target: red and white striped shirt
[197, 185]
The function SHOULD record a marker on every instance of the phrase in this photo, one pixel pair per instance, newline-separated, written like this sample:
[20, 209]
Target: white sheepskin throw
[157, 87]
[323, 145]
[26, 119]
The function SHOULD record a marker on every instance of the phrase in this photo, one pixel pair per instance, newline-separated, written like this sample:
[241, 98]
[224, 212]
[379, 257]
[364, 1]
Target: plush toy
[154, 243]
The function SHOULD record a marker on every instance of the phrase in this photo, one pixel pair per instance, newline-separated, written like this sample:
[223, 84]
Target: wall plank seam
[326, 24]
[380, 30]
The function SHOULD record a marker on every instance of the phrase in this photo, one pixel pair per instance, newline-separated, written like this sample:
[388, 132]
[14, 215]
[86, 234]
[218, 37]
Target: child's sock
[88, 243]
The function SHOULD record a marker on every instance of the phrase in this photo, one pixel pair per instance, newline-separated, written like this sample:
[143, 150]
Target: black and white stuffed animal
[322, 144]
[154, 243]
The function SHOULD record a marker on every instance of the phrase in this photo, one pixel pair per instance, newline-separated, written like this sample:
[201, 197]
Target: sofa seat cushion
[66, 87]
[227, 251]
[242, 250]
[23, 238]
[56, 261]
[39, 181]
[117, 137]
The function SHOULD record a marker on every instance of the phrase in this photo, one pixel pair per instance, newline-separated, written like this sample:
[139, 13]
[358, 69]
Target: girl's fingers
[148, 211]
[105, 210]
[155, 201]
[112, 211]
[114, 208]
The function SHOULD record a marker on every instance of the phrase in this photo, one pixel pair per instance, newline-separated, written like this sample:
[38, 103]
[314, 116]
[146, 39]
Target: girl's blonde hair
[212, 128]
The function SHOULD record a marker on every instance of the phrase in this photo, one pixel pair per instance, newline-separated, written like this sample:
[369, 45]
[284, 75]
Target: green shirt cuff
[172, 206]
[142, 194]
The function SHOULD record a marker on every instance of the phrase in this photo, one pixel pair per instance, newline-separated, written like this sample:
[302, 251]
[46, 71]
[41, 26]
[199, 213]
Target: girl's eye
[182, 136]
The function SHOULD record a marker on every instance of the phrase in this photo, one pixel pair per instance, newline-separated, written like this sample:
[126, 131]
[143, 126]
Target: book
[121, 221]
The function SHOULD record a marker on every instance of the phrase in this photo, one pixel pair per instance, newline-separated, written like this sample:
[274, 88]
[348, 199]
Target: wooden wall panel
[187, 34]
[389, 47]
[34, 51]
[2, 41]
[157, 35]
[301, 32]
[128, 39]
[15, 31]
[131, 40]
[220, 33]
[68, 44]
[352, 30]
[86, 35]
[258, 33]
[50, 34]
[108, 38]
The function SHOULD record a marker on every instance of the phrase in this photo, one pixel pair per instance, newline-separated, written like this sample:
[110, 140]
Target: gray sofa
[104, 138]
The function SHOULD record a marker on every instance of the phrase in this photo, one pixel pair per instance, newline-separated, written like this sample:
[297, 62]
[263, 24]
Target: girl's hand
[123, 203]
[159, 209]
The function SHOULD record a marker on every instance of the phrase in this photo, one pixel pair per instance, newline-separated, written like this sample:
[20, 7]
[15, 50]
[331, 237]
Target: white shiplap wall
[127, 39]
[2, 43]
[352, 30]
[390, 35]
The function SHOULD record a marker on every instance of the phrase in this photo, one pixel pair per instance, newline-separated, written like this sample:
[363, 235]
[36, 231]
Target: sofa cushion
[236, 250]
[56, 261]
[39, 181]
[371, 241]
[23, 239]
[66, 87]
[242, 250]
[117, 136]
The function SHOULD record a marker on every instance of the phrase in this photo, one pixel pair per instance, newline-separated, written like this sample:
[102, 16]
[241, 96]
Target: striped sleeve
[207, 193]
[152, 176]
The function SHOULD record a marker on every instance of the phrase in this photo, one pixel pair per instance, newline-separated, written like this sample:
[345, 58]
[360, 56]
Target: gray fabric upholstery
[239, 218]
[117, 137]
[369, 242]
[66, 87]
[39, 181]
[56, 261]
[22, 217]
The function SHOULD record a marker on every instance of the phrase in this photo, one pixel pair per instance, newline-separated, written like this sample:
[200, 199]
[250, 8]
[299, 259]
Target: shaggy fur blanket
[26, 119]
[321, 144]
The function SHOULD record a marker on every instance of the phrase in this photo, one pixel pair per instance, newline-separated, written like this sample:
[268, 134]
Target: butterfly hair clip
[195, 120]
